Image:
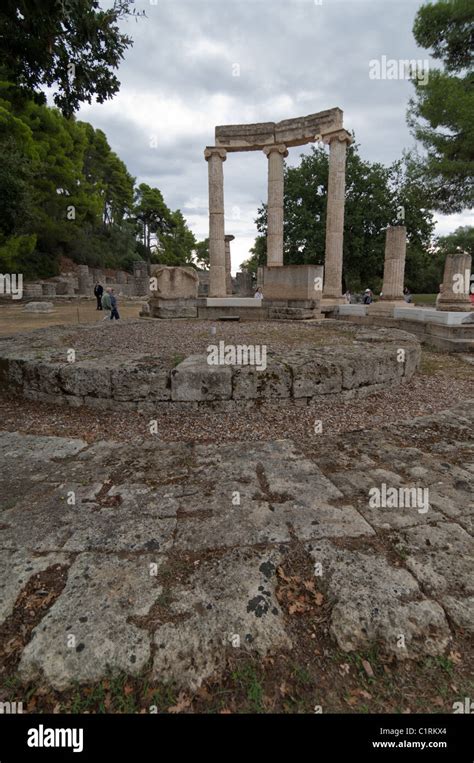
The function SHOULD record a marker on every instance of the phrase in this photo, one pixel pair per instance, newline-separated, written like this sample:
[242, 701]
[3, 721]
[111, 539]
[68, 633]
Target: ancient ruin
[274, 139]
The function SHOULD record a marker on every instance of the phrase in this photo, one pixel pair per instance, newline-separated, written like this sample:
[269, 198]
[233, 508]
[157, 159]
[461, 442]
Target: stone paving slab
[231, 513]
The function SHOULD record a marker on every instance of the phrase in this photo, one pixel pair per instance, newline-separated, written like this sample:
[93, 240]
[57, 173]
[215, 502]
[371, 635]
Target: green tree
[177, 245]
[441, 114]
[202, 254]
[152, 215]
[73, 45]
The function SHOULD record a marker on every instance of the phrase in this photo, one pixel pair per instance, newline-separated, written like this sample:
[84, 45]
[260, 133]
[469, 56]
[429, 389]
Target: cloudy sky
[291, 58]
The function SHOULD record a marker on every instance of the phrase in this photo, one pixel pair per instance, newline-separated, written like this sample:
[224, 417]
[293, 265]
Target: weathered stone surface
[232, 514]
[229, 603]
[196, 379]
[140, 380]
[377, 602]
[86, 378]
[104, 637]
[174, 282]
[39, 307]
[273, 382]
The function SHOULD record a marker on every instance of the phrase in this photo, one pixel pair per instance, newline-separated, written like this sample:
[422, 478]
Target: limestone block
[86, 378]
[249, 383]
[39, 307]
[196, 379]
[293, 282]
[173, 308]
[174, 282]
[140, 381]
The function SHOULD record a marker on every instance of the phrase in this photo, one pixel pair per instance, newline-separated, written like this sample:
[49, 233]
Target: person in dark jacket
[98, 291]
[113, 302]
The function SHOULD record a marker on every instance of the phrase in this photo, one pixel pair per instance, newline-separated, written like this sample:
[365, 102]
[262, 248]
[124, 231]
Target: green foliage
[177, 244]
[375, 196]
[72, 45]
[64, 192]
[202, 254]
[462, 240]
[441, 114]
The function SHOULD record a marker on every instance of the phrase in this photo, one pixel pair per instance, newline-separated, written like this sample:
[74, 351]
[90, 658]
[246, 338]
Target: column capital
[229, 237]
[280, 147]
[215, 150]
[341, 135]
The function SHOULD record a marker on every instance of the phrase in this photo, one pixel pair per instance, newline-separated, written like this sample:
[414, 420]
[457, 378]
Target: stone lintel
[292, 132]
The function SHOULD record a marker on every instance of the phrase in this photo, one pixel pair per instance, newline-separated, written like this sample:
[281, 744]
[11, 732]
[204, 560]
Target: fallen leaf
[182, 703]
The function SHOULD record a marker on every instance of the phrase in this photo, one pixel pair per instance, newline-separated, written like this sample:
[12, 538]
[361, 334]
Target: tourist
[406, 295]
[347, 297]
[258, 294]
[107, 303]
[368, 297]
[98, 291]
[113, 302]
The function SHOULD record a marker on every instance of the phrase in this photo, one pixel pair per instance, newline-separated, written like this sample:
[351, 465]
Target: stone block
[293, 282]
[140, 381]
[314, 376]
[38, 307]
[86, 379]
[273, 382]
[173, 308]
[195, 379]
[173, 282]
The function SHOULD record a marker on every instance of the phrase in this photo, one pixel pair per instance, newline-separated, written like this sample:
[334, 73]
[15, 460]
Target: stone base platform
[450, 331]
[251, 309]
[33, 366]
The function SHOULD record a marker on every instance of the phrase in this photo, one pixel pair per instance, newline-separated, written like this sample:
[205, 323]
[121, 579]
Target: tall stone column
[276, 155]
[338, 141]
[455, 293]
[83, 278]
[217, 275]
[228, 263]
[394, 264]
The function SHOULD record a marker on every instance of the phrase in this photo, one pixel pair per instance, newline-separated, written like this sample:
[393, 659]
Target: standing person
[347, 296]
[406, 294]
[106, 303]
[98, 291]
[113, 302]
[258, 294]
[367, 297]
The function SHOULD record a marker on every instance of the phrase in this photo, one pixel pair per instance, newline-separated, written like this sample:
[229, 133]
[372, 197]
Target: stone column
[228, 262]
[276, 155]
[141, 285]
[217, 273]
[338, 141]
[394, 264]
[83, 278]
[455, 293]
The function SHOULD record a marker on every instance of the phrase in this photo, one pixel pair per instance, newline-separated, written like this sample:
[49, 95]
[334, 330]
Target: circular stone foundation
[141, 364]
